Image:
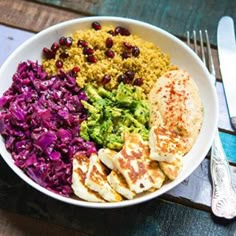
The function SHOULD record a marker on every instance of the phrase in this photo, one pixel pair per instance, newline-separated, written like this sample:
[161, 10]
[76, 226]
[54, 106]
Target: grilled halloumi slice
[106, 156]
[173, 169]
[165, 145]
[80, 168]
[119, 184]
[96, 180]
[131, 163]
[176, 96]
[156, 174]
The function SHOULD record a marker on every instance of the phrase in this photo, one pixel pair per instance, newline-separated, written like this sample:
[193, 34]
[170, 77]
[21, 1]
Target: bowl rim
[140, 199]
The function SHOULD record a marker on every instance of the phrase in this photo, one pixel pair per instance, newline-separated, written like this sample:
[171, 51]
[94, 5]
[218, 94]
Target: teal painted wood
[155, 217]
[229, 145]
[175, 16]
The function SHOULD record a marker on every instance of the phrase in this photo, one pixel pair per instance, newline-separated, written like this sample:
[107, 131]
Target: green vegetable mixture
[112, 113]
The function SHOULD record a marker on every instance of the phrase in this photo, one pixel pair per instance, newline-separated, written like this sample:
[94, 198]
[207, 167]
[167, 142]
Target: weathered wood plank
[15, 224]
[32, 16]
[224, 120]
[197, 187]
[10, 39]
[176, 16]
[156, 217]
[229, 145]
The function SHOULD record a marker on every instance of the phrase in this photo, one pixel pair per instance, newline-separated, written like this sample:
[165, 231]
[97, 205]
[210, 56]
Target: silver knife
[227, 57]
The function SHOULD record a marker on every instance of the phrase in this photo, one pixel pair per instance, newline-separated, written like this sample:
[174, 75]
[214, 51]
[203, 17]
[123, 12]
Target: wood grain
[15, 224]
[175, 16]
[32, 16]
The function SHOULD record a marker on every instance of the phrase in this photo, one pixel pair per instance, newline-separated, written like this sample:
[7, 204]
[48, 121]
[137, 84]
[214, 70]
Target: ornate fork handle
[224, 195]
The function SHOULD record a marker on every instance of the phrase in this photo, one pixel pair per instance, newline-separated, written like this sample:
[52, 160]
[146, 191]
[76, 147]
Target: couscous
[102, 56]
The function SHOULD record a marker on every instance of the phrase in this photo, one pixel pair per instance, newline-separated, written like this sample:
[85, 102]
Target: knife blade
[227, 58]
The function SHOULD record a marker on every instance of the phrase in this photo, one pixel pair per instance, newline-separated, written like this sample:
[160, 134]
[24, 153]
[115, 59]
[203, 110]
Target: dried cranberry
[88, 51]
[128, 45]
[59, 64]
[64, 55]
[68, 41]
[75, 70]
[49, 54]
[111, 32]
[55, 47]
[91, 58]
[62, 41]
[125, 32]
[121, 78]
[109, 42]
[82, 43]
[138, 81]
[130, 74]
[96, 25]
[122, 31]
[125, 55]
[110, 53]
[106, 79]
[135, 51]
[117, 30]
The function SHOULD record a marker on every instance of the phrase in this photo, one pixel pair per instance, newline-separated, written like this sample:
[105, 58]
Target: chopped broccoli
[111, 114]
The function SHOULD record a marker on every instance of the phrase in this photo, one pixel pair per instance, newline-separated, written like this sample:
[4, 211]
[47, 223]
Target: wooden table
[185, 210]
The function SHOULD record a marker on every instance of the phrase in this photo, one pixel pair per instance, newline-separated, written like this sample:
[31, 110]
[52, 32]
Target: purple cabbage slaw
[40, 118]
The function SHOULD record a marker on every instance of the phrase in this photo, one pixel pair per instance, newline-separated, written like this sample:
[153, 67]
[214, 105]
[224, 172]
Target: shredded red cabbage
[40, 118]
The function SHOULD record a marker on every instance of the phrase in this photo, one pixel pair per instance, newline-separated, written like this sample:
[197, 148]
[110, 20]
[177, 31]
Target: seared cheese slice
[173, 169]
[80, 168]
[119, 184]
[158, 177]
[106, 156]
[96, 180]
[165, 145]
[131, 163]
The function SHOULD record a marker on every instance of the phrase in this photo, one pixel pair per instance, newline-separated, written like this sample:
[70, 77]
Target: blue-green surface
[229, 145]
[175, 16]
[156, 217]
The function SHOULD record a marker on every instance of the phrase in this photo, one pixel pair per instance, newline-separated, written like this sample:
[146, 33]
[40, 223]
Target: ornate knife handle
[224, 195]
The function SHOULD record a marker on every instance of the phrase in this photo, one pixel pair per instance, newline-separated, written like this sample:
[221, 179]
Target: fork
[223, 195]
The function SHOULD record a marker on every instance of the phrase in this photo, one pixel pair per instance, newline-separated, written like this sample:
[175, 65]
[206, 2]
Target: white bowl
[180, 54]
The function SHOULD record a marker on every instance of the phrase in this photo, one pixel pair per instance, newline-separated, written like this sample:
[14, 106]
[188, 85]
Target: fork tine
[195, 41]
[210, 58]
[202, 47]
[188, 39]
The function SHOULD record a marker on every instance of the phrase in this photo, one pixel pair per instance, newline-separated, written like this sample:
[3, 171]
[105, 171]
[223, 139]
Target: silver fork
[223, 194]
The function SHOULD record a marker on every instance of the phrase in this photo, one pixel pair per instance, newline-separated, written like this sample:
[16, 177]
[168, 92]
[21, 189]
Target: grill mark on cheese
[119, 184]
[80, 168]
[96, 179]
[132, 163]
[127, 164]
[168, 141]
[171, 170]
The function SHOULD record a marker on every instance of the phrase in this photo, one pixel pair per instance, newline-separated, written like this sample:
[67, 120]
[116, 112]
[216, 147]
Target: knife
[227, 57]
